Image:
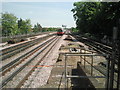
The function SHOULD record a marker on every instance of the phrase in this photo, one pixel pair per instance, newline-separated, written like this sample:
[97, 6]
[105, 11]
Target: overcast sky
[48, 14]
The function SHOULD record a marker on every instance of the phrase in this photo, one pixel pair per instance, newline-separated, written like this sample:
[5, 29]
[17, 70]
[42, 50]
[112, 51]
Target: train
[60, 32]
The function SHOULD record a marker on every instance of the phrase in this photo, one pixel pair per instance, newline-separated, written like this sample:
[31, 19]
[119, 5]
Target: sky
[48, 14]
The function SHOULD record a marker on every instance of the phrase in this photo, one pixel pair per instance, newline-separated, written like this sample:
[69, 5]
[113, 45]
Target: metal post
[84, 59]
[92, 65]
[118, 78]
[79, 54]
[80, 57]
[118, 66]
[107, 73]
[113, 58]
[65, 72]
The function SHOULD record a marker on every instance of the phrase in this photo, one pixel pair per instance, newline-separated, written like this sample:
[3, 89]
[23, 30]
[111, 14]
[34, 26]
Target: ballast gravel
[42, 73]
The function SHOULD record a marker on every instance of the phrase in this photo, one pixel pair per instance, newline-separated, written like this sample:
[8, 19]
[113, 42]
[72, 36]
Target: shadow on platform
[82, 83]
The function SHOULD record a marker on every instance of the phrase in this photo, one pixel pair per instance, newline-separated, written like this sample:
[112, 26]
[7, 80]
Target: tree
[24, 26]
[9, 24]
[37, 28]
[97, 18]
[84, 14]
[28, 26]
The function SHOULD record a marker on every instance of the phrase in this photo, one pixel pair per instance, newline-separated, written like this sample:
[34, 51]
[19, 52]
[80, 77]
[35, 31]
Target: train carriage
[60, 32]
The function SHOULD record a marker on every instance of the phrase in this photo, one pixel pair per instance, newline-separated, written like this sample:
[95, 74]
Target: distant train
[60, 32]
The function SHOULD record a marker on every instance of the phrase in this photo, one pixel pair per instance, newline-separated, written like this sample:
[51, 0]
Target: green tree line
[49, 29]
[96, 18]
[11, 25]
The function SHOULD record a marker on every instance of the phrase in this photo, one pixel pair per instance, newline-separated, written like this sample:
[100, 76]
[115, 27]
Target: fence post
[107, 73]
[65, 72]
[115, 30]
[92, 65]
[84, 59]
[118, 78]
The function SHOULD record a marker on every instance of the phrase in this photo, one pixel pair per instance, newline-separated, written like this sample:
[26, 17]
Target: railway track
[10, 51]
[96, 45]
[99, 47]
[104, 49]
[36, 70]
[22, 37]
[12, 70]
[20, 58]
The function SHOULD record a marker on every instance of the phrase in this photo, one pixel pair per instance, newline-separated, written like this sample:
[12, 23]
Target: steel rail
[96, 44]
[5, 81]
[29, 73]
[100, 47]
[8, 52]
[7, 55]
[12, 63]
